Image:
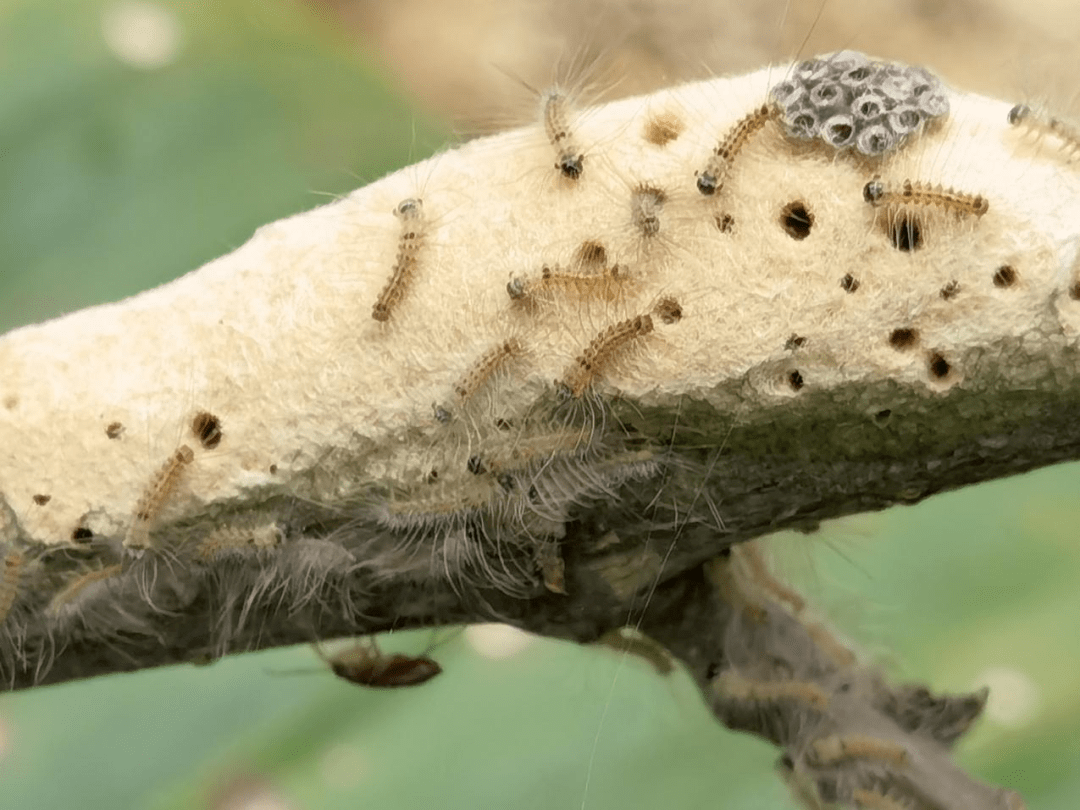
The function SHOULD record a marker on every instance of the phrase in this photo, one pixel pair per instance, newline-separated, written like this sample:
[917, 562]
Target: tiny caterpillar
[155, 495]
[410, 212]
[725, 578]
[630, 641]
[764, 579]
[569, 158]
[912, 192]
[484, 368]
[838, 748]
[525, 450]
[556, 281]
[601, 351]
[645, 205]
[70, 592]
[736, 687]
[10, 578]
[368, 666]
[1022, 115]
[238, 541]
[711, 179]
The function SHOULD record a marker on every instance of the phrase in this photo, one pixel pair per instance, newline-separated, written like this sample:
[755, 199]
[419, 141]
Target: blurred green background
[138, 141]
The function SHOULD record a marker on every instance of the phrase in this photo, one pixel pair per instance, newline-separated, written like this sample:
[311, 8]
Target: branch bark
[350, 423]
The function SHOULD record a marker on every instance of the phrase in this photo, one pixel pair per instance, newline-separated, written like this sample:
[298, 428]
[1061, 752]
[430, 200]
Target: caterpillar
[599, 354]
[411, 214]
[837, 748]
[711, 179]
[913, 192]
[735, 687]
[486, 367]
[154, 497]
[569, 157]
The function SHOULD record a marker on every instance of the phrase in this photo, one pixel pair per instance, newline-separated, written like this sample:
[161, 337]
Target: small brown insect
[759, 572]
[70, 592]
[603, 349]
[711, 179]
[155, 496]
[239, 541]
[913, 192]
[486, 367]
[554, 282]
[411, 214]
[569, 158]
[735, 687]
[840, 747]
[367, 666]
[1069, 136]
[646, 203]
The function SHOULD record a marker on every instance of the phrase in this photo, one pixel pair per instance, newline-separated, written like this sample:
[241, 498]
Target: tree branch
[350, 423]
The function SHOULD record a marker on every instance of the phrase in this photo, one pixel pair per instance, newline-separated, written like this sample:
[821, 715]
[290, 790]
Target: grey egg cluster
[848, 101]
